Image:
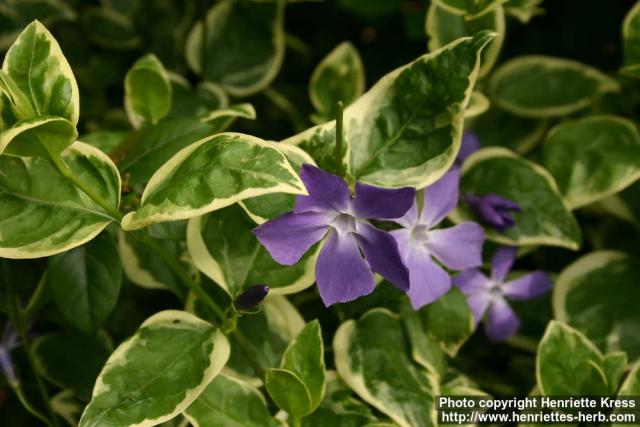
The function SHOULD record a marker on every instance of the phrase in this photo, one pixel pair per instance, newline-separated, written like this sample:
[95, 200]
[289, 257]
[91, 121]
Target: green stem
[16, 316]
[295, 422]
[340, 137]
[186, 278]
[526, 344]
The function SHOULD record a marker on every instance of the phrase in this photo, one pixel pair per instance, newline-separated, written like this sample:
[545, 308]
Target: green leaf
[42, 213]
[223, 117]
[444, 26]
[67, 407]
[593, 295]
[614, 366]
[44, 137]
[210, 174]
[70, 361]
[288, 392]
[523, 10]
[156, 374]
[568, 364]
[85, 282]
[471, 8]
[40, 70]
[543, 86]
[372, 356]
[244, 45]
[630, 387]
[109, 29]
[338, 77]
[592, 158]
[263, 208]
[543, 218]
[229, 402]
[478, 104]
[630, 39]
[105, 140]
[195, 102]
[427, 100]
[223, 247]
[424, 350]
[499, 128]
[147, 92]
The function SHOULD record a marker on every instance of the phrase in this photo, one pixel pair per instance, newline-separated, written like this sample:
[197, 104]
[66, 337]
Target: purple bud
[251, 298]
[493, 210]
[6, 366]
[470, 144]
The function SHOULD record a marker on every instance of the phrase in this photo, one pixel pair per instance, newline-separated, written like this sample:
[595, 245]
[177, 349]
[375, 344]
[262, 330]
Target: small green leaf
[523, 10]
[147, 92]
[372, 356]
[195, 102]
[44, 137]
[499, 128]
[568, 364]
[288, 392]
[543, 218]
[444, 26]
[472, 9]
[105, 140]
[67, 407]
[424, 350]
[42, 213]
[427, 100]
[223, 247]
[85, 282]
[614, 366]
[543, 86]
[223, 117]
[630, 387]
[230, 403]
[244, 46]
[338, 77]
[40, 70]
[593, 295]
[109, 29]
[478, 104]
[631, 38]
[210, 174]
[592, 158]
[156, 374]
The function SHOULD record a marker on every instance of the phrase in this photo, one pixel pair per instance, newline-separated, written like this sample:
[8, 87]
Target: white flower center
[344, 223]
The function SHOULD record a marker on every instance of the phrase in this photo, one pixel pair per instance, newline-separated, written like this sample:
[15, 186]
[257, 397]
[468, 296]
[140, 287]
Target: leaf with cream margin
[540, 86]
[39, 69]
[406, 130]
[43, 137]
[147, 92]
[223, 247]
[543, 219]
[631, 41]
[244, 45]
[210, 174]
[338, 77]
[372, 355]
[630, 387]
[156, 374]
[443, 27]
[42, 213]
[478, 104]
[593, 157]
[523, 10]
[472, 9]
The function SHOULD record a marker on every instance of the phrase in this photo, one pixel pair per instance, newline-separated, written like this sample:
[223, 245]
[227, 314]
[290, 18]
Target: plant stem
[16, 316]
[525, 344]
[186, 278]
[295, 422]
[340, 136]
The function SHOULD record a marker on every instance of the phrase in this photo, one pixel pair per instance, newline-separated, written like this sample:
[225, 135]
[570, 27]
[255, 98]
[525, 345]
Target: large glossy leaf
[223, 247]
[568, 364]
[44, 137]
[229, 402]
[592, 158]
[210, 174]
[157, 373]
[147, 91]
[42, 213]
[631, 40]
[85, 282]
[544, 86]
[406, 130]
[40, 70]
[543, 219]
[372, 356]
[470, 8]
[244, 45]
[444, 26]
[593, 295]
[338, 77]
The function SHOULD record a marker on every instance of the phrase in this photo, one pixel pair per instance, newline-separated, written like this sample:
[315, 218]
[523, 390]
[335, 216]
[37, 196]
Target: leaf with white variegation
[44, 137]
[427, 100]
[157, 373]
[147, 92]
[210, 174]
[631, 39]
[43, 213]
[470, 8]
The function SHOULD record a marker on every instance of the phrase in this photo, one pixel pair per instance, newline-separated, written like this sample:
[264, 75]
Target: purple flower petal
[382, 203]
[410, 218]
[290, 235]
[327, 192]
[470, 144]
[6, 366]
[471, 281]
[502, 322]
[440, 198]
[381, 252]
[493, 210]
[457, 247]
[428, 281]
[501, 262]
[341, 272]
[529, 286]
[478, 304]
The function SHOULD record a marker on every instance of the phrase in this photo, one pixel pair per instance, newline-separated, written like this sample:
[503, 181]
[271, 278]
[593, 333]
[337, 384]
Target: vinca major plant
[293, 213]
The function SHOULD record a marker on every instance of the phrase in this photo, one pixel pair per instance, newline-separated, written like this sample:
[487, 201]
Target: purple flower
[8, 343]
[457, 248]
[251, 298]
[489, 295]
[351, 247]
[470, 144]
[493, 210]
